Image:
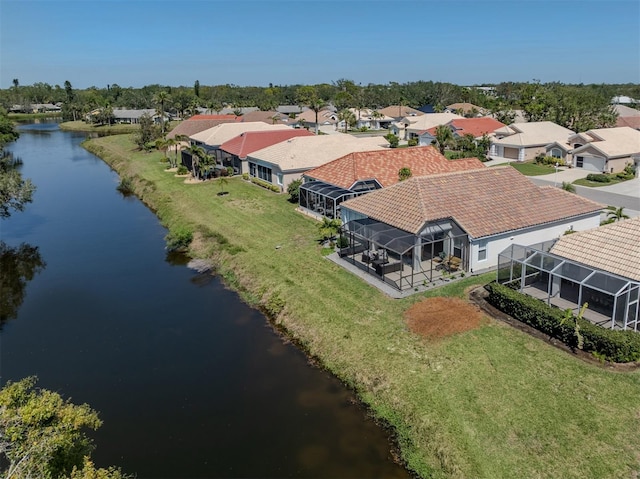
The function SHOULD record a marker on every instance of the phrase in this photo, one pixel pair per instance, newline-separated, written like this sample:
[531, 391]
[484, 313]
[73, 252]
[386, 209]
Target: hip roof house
[358, 173]
[429, 225]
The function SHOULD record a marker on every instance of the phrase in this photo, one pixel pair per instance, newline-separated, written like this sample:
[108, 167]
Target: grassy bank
[489, 403]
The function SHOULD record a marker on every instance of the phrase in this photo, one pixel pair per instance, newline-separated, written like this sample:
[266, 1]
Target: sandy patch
[436, 318]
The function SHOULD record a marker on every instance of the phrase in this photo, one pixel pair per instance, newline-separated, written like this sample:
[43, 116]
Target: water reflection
[18, 265]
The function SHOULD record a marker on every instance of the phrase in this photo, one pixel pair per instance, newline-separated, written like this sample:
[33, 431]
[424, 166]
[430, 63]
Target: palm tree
[163, 145]
[308, 96]
[444, 137]
[197, 153]
[376, 115]
[161, 98]
[616, 214]
[347, 117]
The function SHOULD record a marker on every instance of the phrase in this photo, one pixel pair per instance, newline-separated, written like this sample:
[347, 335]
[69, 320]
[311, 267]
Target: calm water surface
[189, 381]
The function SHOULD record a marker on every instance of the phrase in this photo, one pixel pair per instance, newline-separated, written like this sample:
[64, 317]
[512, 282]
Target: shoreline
[450, 404]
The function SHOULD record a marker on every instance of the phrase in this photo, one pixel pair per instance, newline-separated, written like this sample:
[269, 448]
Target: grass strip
[489, 403]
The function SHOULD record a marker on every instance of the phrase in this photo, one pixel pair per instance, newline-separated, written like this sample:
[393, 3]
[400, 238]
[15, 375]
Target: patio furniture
[453, 263]
[383, 268]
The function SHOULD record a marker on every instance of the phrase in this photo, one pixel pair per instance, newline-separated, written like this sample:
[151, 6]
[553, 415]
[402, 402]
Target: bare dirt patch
[436, 318]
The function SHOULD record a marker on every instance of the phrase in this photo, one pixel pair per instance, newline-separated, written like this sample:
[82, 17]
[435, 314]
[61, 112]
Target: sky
[134, 43]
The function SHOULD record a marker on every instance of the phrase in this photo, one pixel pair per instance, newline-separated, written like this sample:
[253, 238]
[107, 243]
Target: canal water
[190, 382]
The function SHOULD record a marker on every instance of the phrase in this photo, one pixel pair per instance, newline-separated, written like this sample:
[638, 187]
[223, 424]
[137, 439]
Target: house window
[263, 173]
[556, 153]
[482, 251]
[579, 162]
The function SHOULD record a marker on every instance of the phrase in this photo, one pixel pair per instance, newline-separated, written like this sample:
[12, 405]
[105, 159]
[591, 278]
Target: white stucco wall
[497, 244]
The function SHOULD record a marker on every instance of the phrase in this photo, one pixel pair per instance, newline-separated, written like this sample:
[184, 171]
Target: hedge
[265, 184]
[612, 345]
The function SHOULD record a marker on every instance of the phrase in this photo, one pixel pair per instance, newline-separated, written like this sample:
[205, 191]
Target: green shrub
[179, 239]
[542, 159]
[182, 170]
[245, 176]
[266, 184]
[412, 142]
[599, 177]
[343, 242]
[612, 345]
[275, 304]
[126, 186]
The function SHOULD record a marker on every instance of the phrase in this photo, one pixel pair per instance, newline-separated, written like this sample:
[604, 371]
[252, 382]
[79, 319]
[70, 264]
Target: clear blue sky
[173, 42]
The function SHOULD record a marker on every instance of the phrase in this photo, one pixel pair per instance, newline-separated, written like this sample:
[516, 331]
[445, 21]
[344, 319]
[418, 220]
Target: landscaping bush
[182, 170]
[541, 159]
[611, 345]
[599, 177]
[266, 184]
[179, 239]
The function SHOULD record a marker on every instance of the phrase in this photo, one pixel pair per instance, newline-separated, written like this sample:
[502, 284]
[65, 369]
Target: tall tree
[43, 435]
[308, 96]
[160, 99]
[196, 88]
[347, 117]
[444, 137]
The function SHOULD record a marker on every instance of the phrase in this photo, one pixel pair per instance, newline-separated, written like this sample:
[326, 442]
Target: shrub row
[598, 177]
[611, 345]
[265, 184]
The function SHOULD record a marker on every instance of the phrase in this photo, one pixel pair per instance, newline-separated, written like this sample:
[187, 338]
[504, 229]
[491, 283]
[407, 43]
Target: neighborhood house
[428, 227]
[358, 173]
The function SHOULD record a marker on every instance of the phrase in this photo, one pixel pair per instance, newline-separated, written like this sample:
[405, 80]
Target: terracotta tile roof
[535, 133]
[220, 133]
[465, 107]
[613, 142]
[476, 126]
[268, 117]
[614, 248]
[630, 121]
[215, 117]
[383, 165]
[399, 111]
[483, 202]
[251, 141]
[191, 127]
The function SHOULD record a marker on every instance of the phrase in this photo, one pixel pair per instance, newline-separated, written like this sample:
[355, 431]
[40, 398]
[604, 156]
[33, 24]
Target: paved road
[603, 194]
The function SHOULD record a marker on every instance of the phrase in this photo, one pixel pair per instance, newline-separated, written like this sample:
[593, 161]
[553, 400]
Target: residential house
[370, 119]
[525, 141]
[606, 150]
[627, 116]
[327, 120]
[235, 151]
[126, 116]
[414, 125]
[478, 127]
[211, 139]
[398, 112]
[293, 110]
[599, 267]
[284, 162]
[198, 123]
[465, 109]
[271, 117]
[426, 227]
[358, 173]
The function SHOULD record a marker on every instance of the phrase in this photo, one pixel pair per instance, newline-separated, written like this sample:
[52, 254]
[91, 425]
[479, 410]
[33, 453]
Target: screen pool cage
[402, 259]
[323, 199]
[612, 300]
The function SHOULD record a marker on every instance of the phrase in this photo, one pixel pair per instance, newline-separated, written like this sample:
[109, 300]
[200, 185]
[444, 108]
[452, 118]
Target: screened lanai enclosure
[612, 300]
[323, 199]
[405, 260]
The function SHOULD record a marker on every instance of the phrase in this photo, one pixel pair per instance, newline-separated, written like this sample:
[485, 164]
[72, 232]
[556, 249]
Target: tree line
[578, 107]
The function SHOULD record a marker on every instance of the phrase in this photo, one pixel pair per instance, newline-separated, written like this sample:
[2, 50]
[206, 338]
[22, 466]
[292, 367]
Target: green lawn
[104, 129]
[490, 403]
[596, 184]
[533, 169]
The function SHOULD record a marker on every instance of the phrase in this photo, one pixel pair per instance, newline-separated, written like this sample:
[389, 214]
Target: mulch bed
[436, 318]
